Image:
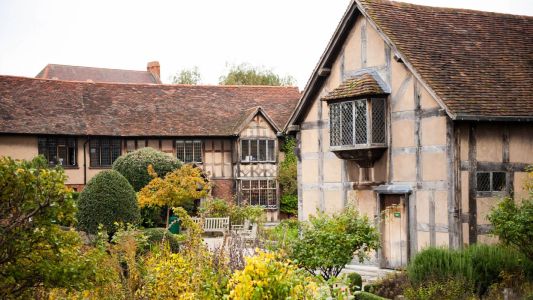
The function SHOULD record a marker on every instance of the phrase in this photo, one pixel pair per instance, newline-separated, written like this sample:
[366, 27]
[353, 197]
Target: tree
[287, 178]
[35, 252]
[329, 242]
[134, 166]
[107, 199]
[187, 76]
[245, 74]
[176, 189]
[513, 222]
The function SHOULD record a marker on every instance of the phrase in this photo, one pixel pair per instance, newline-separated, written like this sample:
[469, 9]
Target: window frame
[260, 191]
[99, 150]
[269, 157]
[336, 116]
[68, 143]
[492, 191]
[192, 142]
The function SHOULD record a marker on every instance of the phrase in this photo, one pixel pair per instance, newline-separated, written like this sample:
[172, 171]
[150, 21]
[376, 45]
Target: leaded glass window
[261, 192]
[189, 151]
[258, 150]
[104, 151]
[59, 150]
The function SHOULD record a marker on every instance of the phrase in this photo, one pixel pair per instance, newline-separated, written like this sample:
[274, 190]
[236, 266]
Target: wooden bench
[214, 224]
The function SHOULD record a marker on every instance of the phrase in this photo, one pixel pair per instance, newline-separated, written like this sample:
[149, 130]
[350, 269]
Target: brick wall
[223, 188]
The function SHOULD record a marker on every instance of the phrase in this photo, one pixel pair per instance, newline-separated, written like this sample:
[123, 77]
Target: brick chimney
[154, 68]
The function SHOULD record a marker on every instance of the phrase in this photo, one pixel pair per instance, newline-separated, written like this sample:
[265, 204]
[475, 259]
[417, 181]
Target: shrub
[282, 236]
[391, 285]
[108, 198]
[367, 296]
[328, 243]
[441, 290]
[287, 178]
[479, 265]
[268, 276]
[215, 208]
[155, 238]
[134, 166]
[35, 253]
[355, 282]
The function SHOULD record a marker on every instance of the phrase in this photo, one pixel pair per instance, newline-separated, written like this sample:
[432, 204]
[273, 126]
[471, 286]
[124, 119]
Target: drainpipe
[85, 161]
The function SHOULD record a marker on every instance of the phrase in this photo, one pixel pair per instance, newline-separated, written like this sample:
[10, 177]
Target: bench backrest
[214, 224]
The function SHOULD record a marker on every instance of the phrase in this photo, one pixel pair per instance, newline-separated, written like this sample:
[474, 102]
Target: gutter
[85, 161]
[467, 117]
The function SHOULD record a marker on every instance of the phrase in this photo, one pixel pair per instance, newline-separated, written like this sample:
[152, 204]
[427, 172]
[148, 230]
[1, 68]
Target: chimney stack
[154, 68]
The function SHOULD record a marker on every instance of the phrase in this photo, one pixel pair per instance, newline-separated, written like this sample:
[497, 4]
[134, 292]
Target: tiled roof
[39, 106]
[477, 63]
[358, 86]
[77, 73]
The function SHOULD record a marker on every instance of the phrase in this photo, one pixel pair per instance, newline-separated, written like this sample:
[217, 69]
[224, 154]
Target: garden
[112, 241]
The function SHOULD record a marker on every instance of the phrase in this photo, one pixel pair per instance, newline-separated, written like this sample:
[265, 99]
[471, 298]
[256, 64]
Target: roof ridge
[96, 68]
[152, 84]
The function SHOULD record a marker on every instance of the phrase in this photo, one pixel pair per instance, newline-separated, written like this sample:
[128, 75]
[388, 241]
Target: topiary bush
[107, 198]
[134, 166]
[355, 282]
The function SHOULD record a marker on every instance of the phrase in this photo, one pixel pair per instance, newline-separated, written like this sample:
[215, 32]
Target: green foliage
[35, 252]
[287, 178]
[367, 296]
[355, 282]
[187, 76]
[245, 74]
[237, 214]
[157, 236]
[329, 242]
[441, 290]
[282, 236]
[512, 222]
[134, 166]
[391, 285]
[479, 265]
[107, 199]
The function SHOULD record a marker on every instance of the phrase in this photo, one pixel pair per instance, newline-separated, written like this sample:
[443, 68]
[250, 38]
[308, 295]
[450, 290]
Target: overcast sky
[286, 35]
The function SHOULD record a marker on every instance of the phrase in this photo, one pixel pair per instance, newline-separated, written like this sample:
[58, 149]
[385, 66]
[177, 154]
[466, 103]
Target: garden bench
[214, 224]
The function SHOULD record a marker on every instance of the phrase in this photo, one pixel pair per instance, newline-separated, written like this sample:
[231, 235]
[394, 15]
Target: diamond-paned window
[491, 181]
[358, 122]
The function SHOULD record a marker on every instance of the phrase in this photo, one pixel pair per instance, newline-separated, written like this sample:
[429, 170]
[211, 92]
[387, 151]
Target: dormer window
[357, 116]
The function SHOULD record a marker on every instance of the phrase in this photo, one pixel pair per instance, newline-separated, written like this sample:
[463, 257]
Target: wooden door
[393, 232]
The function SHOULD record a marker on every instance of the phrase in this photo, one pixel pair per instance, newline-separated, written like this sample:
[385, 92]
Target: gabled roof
[247, 116]
[356, 87]
[78, 73]
[478, 65]
[39, 106]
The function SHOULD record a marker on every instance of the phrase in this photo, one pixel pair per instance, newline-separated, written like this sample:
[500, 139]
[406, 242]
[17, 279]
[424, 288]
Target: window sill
[100, 168]
[490, 194]
[363, 155]
[258, 162]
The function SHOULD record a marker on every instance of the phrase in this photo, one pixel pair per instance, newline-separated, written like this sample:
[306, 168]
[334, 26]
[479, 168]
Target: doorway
[394, 231]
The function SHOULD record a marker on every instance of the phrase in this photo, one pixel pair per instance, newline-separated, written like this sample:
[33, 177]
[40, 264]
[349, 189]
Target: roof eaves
[325, 63]
[470, 117]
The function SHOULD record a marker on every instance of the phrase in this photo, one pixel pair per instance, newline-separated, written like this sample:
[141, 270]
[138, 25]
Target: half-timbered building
[422, 118]
[232, 132]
